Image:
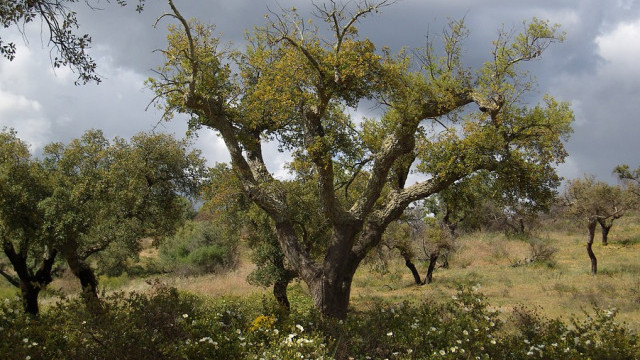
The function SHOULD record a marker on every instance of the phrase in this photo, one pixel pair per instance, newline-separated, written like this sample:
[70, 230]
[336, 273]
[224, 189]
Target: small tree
[595, 202]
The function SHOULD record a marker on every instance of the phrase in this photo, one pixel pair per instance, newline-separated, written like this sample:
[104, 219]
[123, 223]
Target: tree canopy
[294, 85]
[90, 195]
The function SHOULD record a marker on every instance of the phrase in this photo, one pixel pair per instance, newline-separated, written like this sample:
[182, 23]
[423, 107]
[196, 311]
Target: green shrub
[199, 247]
[167, 324]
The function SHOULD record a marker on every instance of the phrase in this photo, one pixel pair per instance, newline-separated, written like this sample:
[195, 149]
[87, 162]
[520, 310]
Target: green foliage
[167, 324]
[199, 247]
[297, 85]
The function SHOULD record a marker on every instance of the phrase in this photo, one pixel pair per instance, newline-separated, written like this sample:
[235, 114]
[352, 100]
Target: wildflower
[493, 342]
[184, 316]
[25, 340]
[465, 332]
[453, 349]
[442, 352]
[432, 328]
[390, 333]
[299, 327]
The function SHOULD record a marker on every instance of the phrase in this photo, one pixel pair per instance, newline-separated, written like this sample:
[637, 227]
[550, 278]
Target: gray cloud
[595, 68]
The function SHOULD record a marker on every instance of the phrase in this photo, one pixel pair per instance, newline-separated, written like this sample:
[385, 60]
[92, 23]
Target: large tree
[108, 193]
[25, 245]
[60, 25]
[295, 86]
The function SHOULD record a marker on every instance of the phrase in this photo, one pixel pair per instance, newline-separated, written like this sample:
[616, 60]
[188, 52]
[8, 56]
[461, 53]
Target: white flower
[185, 316]
[432, 328]
[390, 333]
[493, 342]
[299, 327]
[25, 340]
[465, 332]
[453, 349]
[442, 352]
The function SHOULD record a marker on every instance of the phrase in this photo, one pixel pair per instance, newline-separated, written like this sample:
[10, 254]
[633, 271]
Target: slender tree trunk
[433, 258]
[592, 256]
[414, 271]
[605, 235]
[606, 227]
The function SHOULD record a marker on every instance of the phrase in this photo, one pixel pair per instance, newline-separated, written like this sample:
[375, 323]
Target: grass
[563, 289]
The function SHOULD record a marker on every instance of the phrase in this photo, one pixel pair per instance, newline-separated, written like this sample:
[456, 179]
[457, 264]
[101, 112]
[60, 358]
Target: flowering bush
[167, 324]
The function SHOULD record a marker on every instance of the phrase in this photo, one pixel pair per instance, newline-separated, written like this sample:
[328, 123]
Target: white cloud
[621, 47]
[25, 116]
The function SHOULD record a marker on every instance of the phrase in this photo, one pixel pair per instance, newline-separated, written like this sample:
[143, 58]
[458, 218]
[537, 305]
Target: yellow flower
[262, 322]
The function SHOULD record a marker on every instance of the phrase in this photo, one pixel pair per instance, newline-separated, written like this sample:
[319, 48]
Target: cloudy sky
[597, 68]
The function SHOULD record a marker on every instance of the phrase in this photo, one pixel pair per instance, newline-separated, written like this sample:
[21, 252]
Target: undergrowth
[167, 324]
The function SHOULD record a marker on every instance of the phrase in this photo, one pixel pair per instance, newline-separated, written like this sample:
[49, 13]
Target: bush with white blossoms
[167, 324]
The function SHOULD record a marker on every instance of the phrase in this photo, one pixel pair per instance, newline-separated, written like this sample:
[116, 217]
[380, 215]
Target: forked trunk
[30, 284]
[592, 256]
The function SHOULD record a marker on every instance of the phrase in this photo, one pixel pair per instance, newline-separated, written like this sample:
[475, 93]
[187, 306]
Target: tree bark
[414, 271]
[30, 284]
[88, 281]
[331, 295]
[606, 227]
[433, 258]
[30, 291]
[280, 293]
[592, 256]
